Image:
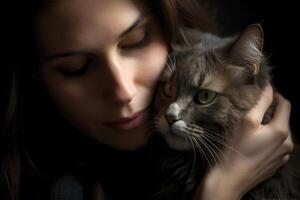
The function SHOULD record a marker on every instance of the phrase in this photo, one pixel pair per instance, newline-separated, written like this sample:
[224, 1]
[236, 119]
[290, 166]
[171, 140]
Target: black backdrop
[280, 23]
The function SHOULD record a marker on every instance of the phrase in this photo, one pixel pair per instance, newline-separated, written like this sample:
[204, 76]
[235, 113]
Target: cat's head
[208, 86]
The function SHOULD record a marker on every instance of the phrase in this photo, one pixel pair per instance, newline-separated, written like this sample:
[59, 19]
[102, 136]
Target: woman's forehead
[82, 24]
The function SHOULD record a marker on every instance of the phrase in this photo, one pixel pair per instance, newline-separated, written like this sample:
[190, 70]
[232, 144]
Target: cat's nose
[173, 113]
[171, 119]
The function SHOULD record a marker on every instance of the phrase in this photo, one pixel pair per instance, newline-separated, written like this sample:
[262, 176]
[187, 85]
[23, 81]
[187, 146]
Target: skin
[120, 81]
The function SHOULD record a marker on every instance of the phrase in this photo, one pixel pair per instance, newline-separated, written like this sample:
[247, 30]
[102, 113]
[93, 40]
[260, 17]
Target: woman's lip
[127, 119]
[129, 122]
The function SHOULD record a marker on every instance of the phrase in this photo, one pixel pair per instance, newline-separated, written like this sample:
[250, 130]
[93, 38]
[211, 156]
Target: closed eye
[81, 71]
[138, 39]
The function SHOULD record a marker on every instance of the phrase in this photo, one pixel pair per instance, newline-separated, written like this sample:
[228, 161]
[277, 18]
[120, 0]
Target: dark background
[280, 22]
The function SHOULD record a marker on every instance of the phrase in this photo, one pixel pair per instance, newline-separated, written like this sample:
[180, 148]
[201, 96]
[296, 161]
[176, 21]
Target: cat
[207, 87]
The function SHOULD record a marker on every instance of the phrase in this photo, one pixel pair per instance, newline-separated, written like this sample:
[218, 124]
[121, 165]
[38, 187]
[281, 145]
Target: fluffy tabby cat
[208, 86]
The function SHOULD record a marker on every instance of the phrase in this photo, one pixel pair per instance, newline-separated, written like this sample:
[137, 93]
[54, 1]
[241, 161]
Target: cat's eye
[167, 89]
[205, 97]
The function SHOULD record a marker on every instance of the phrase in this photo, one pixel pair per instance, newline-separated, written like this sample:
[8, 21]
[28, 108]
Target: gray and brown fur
[234, 71]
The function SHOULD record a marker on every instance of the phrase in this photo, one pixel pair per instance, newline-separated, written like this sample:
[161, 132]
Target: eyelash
[143, 42]
[82, 70]
[140, 44]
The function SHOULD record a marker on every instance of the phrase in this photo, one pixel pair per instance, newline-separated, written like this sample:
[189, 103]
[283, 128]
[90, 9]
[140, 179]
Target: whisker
[193, 126]
[205, 145]
[224, 144]
[194, 152]
[217, 149]
[210, 150]
[174, 59]
[201, 151]
[214, 137]
[170, 64]
[195, 143]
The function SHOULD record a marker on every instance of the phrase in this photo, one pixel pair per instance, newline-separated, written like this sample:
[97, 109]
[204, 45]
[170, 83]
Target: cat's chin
[176, 142]
[174, 135]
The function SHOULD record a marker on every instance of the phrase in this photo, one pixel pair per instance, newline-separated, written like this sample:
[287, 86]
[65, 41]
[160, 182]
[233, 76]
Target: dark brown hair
[172, 14]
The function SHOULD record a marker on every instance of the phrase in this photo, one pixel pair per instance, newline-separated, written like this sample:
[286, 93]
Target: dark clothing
[67, 188]
[122, 174]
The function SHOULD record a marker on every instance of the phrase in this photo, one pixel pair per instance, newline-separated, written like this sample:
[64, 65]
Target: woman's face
[100, 63]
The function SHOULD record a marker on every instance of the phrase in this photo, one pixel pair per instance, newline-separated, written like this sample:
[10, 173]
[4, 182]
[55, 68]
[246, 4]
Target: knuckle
[282, 133]
[286, 102]
[285, 159]
[270, 96]
[251, 121]
[289, 146]
[289, 104]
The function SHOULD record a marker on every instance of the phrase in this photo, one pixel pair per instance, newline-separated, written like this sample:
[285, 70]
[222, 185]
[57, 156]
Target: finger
[282, 113]
[277, 164]
[279, 145]
[257, 113]
[283, 149]
[289, 144]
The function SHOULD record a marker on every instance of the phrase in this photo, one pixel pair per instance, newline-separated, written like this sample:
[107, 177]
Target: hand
[257, 152]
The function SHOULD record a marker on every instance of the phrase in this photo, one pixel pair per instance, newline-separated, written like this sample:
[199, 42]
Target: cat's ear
[248, 47]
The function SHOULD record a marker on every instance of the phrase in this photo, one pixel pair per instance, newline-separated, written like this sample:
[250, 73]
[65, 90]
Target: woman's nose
[122, 85]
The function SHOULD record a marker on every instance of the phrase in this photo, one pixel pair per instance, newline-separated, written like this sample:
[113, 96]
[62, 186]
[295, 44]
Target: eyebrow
[134, 25]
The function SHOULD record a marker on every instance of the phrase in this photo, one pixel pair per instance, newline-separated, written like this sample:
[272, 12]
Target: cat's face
[204, 92]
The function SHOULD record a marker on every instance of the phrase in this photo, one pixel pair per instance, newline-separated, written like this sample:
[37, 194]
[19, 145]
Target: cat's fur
[208, 86]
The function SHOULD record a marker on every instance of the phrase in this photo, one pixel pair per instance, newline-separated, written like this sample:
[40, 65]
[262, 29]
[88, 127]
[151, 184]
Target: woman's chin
[127, 140]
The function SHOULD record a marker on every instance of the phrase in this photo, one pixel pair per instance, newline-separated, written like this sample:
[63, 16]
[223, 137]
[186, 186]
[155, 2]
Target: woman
[99, 62]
